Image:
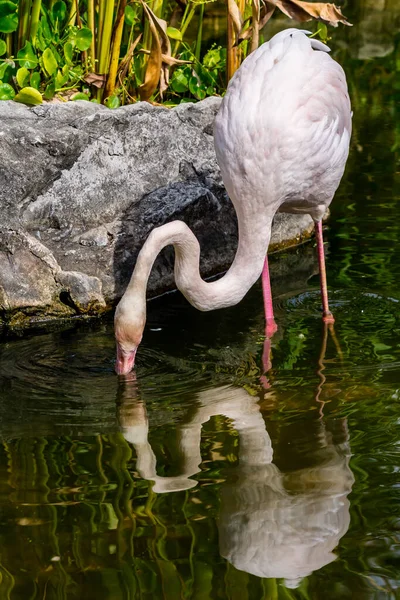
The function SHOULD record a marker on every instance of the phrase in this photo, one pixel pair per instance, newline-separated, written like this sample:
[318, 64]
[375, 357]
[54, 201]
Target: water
[197, 477]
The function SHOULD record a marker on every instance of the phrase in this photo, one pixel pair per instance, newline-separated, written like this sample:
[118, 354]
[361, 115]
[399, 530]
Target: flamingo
[281, 138]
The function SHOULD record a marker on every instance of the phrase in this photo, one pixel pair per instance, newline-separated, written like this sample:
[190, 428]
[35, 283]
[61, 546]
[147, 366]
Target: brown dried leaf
[306, 11]
[170, 60]
[153, 69]
[256, 9]
[126, 61]
[158, 29]
[266, 13]
[267, 10]
[235, 16]
[96, 79]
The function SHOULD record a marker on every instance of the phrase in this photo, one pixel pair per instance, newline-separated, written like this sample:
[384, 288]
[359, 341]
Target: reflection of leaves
[293, 344]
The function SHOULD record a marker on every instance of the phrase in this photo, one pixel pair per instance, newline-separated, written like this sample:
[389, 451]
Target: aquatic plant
[119, 52]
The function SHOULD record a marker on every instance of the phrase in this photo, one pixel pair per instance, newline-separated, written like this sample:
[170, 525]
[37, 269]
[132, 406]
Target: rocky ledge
[81, 186]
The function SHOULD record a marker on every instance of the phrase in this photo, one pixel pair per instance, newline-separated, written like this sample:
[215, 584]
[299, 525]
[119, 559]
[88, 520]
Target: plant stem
[72, 14]
[9, 43]
[23, 16]
[199, 33]
[91, 25]
[187, 17]
[102, 9]
[230, 53]
[37, 4]
[105, 40]
[116, 48]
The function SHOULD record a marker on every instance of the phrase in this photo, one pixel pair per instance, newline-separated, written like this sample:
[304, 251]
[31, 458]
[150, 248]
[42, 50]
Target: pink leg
[327, 315]
[270, 325]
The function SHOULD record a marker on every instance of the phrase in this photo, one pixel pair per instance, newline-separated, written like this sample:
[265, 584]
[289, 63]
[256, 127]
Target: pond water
[198, 477]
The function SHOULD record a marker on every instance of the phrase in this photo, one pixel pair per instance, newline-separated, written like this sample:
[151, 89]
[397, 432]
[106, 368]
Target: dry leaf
[266, 13]
[170, 60]
[161, 45]
[153, 69]
[96, 79]
[235, 16]
[126, 61]
[256, 9]
[255, 35]
[267, 10]
[305, 11]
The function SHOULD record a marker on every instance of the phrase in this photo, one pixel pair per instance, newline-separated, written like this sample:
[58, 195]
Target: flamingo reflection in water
[273, 522]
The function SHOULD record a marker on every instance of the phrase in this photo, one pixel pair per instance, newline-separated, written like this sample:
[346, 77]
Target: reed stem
[199, 33]
[116, 49]
[23, 17]
[91, 25]
[37, 5]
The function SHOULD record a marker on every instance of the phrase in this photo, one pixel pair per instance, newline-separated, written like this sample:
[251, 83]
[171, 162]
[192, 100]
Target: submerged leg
[327, 315]
[270, 325]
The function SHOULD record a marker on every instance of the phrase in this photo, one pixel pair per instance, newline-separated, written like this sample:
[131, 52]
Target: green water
[195, 478]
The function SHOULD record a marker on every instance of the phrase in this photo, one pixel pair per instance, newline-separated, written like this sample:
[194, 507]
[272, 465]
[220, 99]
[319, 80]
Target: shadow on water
[192, 479]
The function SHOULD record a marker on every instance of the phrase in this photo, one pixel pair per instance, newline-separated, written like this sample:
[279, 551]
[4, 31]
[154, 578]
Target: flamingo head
[128, 327]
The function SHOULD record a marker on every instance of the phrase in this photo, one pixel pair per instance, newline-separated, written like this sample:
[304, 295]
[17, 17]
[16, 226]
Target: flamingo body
[283, 130]
[282, 139]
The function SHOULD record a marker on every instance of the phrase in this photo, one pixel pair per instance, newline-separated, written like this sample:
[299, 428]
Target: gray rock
[81, 187]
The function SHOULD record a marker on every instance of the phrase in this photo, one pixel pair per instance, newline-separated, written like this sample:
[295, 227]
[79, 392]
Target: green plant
[120, 52]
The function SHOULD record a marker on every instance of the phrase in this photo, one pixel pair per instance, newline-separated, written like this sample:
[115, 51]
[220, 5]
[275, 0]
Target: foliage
[119, 52]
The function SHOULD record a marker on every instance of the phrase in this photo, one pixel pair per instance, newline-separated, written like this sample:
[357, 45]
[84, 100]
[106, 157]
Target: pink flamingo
[281, 138]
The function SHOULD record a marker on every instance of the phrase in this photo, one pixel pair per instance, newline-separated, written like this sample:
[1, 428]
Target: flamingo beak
[125, 360]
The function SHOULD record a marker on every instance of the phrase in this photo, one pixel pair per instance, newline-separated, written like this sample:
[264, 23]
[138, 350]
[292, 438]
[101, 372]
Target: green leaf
[4, 75]
[28, 95]
[215, 58]
[76, 71]
[59, 11]
[130, 16]
[3, 47]
[57, 56]
[196, 88]
[174, 33]
[49, 61]
[44, 31]
[61, 78]
[23, 76]
[323, 32]
[83, 38]
[113, 102]
[35, 80]
[8, 16]
[179, 81]
[80, 96]
[26, 57]
[6, 91]
[68, 52]
[50, 90]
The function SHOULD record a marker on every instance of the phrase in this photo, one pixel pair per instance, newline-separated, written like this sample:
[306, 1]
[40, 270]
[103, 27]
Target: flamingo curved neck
[227, 291]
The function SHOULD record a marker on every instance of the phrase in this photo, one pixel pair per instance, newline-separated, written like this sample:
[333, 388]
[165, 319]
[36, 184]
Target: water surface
[199, 476]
